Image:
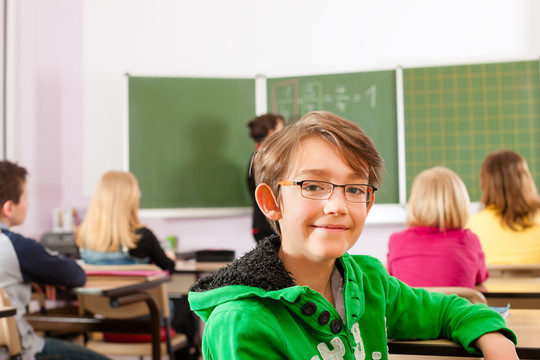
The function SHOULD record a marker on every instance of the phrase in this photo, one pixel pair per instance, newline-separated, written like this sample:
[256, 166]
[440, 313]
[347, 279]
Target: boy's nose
[336, 204]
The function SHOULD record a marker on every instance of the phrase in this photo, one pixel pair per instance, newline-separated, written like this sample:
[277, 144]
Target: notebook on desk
[147, 274]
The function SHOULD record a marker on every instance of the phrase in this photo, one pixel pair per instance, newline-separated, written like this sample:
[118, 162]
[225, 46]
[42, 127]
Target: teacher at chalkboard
[259, 128]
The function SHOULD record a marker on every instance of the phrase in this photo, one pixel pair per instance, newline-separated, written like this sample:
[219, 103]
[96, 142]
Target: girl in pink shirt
[435, 249]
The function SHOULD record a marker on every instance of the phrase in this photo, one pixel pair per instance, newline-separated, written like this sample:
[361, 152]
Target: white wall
[72, 56]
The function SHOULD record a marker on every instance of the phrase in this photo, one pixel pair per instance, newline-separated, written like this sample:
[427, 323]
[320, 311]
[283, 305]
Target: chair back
[9, 334]
[474, 296]
[100, 305]
[95, 304]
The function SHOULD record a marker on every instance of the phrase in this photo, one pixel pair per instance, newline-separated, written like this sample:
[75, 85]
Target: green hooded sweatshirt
[254, 310]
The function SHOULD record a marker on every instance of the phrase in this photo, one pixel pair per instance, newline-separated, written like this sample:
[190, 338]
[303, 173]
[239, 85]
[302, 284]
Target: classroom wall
[69, 59]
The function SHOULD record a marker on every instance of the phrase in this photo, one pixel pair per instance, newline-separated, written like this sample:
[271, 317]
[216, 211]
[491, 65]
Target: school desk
[6, 311]
[520, 292]
[121, 291]
[521, 270]
[524, 322]
[187, 272]
[198, 268]
[192, 266]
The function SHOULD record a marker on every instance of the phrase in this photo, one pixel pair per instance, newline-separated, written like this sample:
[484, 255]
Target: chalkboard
[366, 98]
[456, 115]
[189, 145]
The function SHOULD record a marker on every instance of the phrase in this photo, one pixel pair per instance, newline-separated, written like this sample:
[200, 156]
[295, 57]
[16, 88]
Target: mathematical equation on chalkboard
[292, 99]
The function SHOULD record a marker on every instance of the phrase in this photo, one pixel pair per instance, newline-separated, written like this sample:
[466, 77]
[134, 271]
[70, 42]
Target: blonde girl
[435, 249]
[111, 232]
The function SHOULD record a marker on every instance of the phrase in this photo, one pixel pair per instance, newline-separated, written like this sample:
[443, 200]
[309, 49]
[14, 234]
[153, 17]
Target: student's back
[435, 250]
[425, 256]
[508, 224]
[111, 233]
[503, 245]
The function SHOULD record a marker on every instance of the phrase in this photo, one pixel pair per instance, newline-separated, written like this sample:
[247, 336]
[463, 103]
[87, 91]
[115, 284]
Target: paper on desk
[504, 311]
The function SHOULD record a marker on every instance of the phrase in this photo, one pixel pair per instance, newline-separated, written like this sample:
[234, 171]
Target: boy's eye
[356, 190]
[312, 186]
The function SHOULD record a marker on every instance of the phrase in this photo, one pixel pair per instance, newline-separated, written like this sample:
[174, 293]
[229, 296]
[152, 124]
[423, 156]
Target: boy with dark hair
[25, 261]
[300, 295]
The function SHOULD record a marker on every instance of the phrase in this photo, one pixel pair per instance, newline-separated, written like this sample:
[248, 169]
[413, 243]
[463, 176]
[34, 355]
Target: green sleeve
[414, 313]
[247, 333]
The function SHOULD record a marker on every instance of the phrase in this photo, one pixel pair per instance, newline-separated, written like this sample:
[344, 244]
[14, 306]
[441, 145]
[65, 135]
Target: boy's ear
[7, 209]
[267, 202]
[370, 205]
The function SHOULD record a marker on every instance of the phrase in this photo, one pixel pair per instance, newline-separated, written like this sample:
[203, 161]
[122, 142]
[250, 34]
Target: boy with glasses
[300, 295]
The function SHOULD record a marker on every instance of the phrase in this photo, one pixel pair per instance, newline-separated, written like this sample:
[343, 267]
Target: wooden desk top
[525, 323]
[194, 267]
[512, 286]
[117, 285]
[7, 311]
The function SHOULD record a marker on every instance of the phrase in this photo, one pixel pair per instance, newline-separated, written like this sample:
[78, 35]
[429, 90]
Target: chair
[100, 306]
[9, 335]
[474, 296]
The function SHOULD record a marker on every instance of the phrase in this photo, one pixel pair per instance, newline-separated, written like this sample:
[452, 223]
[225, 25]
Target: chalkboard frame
[380, 212]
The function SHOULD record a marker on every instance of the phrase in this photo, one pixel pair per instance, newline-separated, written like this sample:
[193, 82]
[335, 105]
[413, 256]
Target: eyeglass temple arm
[286, 183]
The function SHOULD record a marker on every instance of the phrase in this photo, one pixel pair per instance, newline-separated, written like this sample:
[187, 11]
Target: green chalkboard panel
[456, 115]
[367, 98]
[188, 142]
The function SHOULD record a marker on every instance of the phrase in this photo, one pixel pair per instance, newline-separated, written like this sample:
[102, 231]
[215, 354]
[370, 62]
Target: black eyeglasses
[321, 190]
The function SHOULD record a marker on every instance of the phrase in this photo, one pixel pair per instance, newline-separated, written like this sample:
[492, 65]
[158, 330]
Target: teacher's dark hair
[261, 125]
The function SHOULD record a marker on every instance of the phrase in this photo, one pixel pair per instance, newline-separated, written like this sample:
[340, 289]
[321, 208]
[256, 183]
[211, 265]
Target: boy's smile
[319, 230]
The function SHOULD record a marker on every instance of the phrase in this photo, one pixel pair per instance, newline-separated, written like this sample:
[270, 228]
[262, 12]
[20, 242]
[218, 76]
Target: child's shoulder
[487, 213]
[363, 263]
[18, 240]
[362, 259]
[405, 234]
[26, 247]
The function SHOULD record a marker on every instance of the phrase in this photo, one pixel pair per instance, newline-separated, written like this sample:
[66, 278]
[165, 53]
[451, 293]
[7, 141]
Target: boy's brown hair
[12, 180]
[272, 160]
[508, 185]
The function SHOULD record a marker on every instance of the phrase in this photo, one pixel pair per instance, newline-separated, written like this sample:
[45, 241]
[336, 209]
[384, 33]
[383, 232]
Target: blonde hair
[273, 159]
[111, 220]
[438, 198]
[508, 185]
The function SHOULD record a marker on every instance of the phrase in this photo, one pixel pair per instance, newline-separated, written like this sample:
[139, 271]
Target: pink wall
[48, 106]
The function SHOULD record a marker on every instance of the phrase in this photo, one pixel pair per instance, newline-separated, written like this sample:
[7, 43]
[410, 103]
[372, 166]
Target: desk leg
[168, 334]
[155, 317]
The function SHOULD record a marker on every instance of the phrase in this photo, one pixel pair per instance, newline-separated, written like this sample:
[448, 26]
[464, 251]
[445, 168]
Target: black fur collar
[260, 267]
